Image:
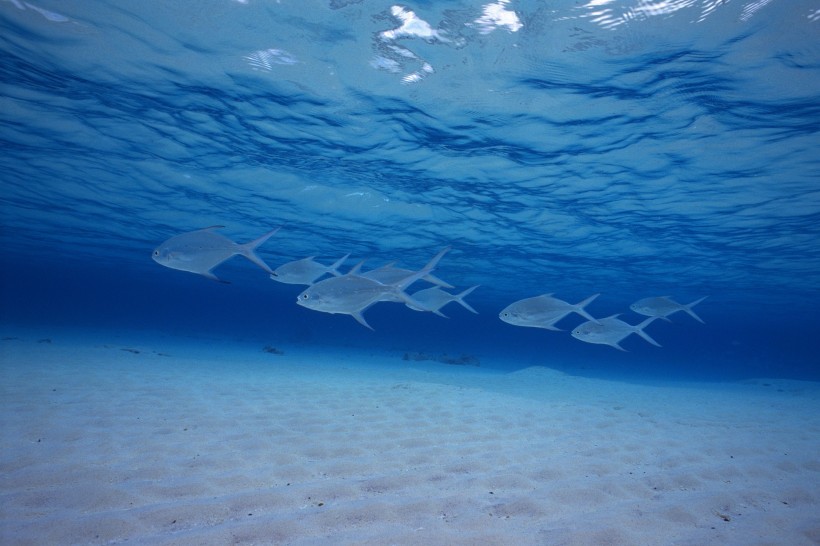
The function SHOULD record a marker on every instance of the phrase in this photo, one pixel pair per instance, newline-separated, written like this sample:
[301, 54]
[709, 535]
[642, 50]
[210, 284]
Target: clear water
[625, 148]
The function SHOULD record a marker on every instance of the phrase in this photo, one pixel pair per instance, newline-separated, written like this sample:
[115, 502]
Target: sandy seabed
[178, 442]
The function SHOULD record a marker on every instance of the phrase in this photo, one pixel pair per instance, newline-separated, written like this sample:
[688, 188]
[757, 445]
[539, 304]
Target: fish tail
[435, 280]
[248, 250]
[334, 269]
[356, 268]
[460, 299]
[431, 265]
[415, 304]
[579, 308]
[411, 302]
[639, 330]
[688, 309]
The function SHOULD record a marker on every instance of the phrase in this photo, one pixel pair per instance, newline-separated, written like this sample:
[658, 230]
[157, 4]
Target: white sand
[206, 446]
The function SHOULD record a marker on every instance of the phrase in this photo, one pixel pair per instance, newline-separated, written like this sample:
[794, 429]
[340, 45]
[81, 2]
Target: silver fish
[543, 311]
[202, 250]
[351, 294]
[611, 330]
[663, 306]
[434, 298]
[306, 271]
[387, 274]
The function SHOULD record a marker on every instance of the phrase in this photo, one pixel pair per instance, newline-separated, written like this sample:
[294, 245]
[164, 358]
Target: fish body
[306, 271]
[611, 331]
[351, 294]
[543, 311]
[663, 306]
[434, 298]
[202, 250]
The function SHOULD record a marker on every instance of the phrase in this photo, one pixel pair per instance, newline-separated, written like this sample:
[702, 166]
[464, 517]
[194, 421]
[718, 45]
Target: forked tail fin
[334, 269]
[688, 309]
[400, 286]
[579, 308]
[435, 280]
[639, 330]
[248, 251]
[356, 268]
[431, 265]
[460, 299]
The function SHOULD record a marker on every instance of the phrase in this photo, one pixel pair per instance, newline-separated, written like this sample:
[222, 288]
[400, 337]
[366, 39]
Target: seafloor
[151, 440]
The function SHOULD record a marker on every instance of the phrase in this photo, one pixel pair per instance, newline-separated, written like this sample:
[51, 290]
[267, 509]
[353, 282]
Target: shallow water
[626, 149]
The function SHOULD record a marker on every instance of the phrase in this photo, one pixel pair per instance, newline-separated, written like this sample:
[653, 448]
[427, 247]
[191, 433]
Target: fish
[434, 298]
[202, 250]
[663, 306]
[388, 274]
[543, 311]
[351, 294]
[306, 271]
[611, 330]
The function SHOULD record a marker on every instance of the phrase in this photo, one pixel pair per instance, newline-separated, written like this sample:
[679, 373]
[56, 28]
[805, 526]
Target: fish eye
[305, 296]
[156, 253]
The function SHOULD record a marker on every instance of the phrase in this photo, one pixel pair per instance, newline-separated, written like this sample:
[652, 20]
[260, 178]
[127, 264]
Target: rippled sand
[185, 442]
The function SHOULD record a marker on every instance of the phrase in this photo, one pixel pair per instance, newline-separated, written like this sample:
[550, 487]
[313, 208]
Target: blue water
[624, 148]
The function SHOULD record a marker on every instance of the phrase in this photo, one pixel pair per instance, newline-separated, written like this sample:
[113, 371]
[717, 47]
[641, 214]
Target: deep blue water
[624, 148]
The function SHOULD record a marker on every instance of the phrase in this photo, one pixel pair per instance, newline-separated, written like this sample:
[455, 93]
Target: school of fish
[353, 292]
